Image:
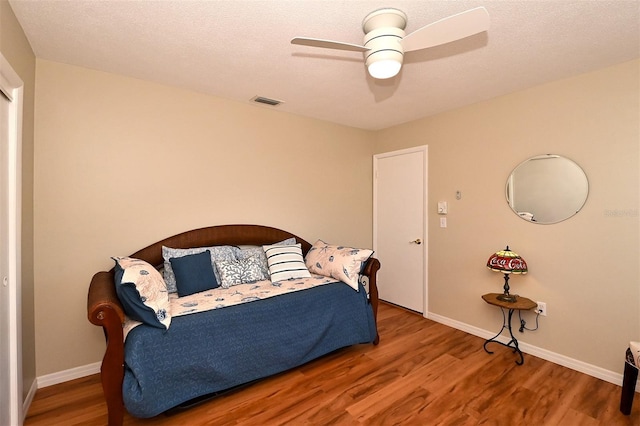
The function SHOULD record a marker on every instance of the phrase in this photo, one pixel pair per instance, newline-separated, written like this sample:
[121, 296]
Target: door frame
[425, 226]
[12, 85]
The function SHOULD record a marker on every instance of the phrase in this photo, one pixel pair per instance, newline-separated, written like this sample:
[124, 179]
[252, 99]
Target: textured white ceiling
[238, 49]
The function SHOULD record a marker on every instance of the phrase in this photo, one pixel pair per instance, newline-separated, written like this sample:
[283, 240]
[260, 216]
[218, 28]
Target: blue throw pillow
[194, 273]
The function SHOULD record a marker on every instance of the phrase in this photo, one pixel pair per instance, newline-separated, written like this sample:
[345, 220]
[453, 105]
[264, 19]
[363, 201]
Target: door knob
[417, 241]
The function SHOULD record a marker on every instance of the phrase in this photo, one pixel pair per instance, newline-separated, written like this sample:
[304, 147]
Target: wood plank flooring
[422, 373]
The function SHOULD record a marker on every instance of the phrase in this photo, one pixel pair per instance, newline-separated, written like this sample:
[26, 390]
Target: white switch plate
[443, 222]
[442, 207]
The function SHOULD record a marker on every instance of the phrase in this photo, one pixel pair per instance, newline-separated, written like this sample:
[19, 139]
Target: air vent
[267, 101]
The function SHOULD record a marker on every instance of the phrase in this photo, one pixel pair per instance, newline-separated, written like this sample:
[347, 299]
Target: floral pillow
[142, 292]
[234, 272]
[339, 262]
[258, 252]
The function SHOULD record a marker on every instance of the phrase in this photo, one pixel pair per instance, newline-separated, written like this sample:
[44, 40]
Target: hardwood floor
[422, 373]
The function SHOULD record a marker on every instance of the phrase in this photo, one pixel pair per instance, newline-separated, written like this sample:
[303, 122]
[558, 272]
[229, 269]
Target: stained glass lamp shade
[507, 262]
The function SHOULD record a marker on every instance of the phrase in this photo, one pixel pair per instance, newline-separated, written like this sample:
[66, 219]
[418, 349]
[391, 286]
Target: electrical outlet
[542, 308]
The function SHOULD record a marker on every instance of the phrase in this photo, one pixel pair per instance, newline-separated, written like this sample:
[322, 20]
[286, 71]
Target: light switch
[443, 222]
[442, 207]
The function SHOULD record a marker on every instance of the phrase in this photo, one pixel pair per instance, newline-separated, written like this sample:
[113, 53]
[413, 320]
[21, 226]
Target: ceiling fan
[385, 41]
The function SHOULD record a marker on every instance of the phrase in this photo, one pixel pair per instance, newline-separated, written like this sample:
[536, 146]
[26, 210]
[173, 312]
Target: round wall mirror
[547, 189]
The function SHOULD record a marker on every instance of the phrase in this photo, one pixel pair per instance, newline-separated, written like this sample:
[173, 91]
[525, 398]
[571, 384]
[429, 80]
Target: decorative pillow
[234, 272]
[258, 252]
[194, 273]
[217, 253]
[339, 262]
[285, 262]
[142, 292]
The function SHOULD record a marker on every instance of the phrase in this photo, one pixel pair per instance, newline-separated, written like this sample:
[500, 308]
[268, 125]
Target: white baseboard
[565, 361]
[66, 375]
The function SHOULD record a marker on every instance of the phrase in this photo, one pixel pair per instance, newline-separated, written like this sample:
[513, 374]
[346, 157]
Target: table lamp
[507, 262]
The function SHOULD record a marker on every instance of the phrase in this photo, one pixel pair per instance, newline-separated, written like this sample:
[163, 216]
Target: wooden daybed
[105, 310]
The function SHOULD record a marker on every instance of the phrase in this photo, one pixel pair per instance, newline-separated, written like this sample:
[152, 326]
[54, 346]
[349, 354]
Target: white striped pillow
[285, 262]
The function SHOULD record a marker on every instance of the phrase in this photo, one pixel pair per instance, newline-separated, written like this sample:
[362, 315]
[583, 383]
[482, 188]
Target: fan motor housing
[384, 31]
[384, 42]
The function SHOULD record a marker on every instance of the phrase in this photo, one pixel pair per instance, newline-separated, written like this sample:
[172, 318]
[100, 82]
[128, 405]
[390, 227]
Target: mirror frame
[549, 185]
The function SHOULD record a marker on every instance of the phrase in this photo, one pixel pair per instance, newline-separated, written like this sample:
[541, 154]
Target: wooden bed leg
[116, 414]
[628, 388]
[112, 369]
[372, 268]
[113, 396]
[104, 310]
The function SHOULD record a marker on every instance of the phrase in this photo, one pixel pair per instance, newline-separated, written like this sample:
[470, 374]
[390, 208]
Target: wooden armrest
[102, 296]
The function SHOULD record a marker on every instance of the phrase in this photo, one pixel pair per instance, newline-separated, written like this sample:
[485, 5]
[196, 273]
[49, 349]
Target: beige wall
[586, 268]
[122, 163]
[16, 49]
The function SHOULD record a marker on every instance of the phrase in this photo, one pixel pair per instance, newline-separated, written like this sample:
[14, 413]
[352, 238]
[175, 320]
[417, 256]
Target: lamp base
[506, 297]
[509, 298]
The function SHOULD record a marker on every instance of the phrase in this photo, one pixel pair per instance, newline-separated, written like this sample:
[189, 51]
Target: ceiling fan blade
[449, 29]
[328, 44]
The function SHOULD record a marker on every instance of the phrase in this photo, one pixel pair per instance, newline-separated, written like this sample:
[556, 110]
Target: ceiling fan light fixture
[385, 41]
[384, 64]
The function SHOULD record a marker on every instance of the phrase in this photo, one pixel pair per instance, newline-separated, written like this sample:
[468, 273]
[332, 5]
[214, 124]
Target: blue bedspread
[215, 350]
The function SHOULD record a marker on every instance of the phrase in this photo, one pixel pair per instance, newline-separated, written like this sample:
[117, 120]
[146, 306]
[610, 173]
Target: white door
[5, 388]
[10, 330]
[400, 226]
